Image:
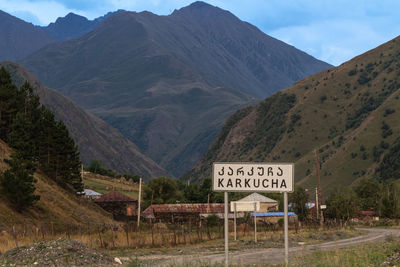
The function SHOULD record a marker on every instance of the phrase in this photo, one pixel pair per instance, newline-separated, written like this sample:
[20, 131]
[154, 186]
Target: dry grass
[56, 210]
[168, 238]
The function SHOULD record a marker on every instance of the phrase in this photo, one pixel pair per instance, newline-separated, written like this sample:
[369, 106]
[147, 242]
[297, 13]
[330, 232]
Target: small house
[266, 204]
[118, 204]
[91, 194]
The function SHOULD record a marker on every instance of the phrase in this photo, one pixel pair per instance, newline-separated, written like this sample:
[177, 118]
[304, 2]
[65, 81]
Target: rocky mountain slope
[19, 38]
[96, 140]
[348, 114]
[168, 82]
[73, 26]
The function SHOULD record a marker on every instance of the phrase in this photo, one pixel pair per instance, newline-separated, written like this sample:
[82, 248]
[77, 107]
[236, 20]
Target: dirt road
[274, 255]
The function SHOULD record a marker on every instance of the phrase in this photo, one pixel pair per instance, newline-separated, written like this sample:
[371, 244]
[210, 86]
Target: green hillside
[349, 114]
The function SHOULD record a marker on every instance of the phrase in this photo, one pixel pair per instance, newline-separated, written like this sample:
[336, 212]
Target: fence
[127, 235]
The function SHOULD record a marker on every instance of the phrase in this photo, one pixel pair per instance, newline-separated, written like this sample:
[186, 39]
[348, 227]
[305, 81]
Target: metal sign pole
[139, 201]
[234, 225]
[285, 208]
[255, 222]
[226, 230]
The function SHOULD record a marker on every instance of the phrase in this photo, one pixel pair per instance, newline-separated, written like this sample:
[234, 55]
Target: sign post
[255, 222]
[226, 229]
[253, 177]
[285, 209]
[234, 217]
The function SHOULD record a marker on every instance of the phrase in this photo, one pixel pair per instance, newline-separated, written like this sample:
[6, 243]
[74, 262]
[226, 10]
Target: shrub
[352, 72]
[213, 220]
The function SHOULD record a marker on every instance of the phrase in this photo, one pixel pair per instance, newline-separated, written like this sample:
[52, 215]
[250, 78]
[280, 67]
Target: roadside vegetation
[377, 254]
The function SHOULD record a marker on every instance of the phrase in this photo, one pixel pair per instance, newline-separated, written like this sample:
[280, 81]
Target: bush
[352, 72]
[213, 220]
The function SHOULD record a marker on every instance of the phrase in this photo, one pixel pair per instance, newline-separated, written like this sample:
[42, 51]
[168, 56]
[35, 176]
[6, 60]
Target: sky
[331, 30]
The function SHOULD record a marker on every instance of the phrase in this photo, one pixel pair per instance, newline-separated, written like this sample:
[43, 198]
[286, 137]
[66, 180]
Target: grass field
[100, 184]
[377, 254]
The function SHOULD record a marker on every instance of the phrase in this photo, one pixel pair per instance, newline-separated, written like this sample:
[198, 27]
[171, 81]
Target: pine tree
[11, 101]
[17, 183]
[32, 130]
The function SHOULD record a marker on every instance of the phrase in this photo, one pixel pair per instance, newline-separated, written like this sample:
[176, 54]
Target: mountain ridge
[20, 38]
[166, 82]
[74, 26]
[344, 113]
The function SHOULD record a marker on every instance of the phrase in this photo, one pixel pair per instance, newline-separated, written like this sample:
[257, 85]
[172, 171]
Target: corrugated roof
[114, 196]
[90, 192]
[185, 208]
[258, 197]
[367, 212]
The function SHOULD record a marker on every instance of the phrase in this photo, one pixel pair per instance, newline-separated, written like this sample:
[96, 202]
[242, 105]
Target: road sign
[245, 205]
[253, 177]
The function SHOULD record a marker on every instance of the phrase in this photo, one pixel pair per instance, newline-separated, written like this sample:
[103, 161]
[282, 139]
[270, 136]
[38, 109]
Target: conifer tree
[33, 131]
[17, 183]
[11, 101]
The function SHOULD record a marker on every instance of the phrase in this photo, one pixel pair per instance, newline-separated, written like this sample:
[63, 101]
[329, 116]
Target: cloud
[26, 16]
[44, 12]
[331, 30]
[337, 41]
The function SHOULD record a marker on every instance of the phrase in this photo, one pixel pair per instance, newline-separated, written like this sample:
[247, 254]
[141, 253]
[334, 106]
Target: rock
[59, 252]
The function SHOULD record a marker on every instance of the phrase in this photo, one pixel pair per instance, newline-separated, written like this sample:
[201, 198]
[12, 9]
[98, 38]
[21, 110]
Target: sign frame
[285, 205]
[255, 189]
[244, 203]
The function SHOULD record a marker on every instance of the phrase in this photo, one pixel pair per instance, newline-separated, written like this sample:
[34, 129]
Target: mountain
[19, 38]
[57, 208]
[348, 114]
[74, 26]
[96, 140]
[168, 82]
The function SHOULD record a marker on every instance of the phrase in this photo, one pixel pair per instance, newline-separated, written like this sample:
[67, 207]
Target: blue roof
[272, 214]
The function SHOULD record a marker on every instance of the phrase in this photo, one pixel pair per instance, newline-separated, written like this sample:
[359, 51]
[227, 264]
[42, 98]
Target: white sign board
[245, 205]
[253, 177]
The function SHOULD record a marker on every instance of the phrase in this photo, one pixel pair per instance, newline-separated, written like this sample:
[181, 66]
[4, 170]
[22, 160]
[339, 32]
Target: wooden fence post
[152, 233]
[126, 228]
[101, 240]
[112, 235]
[183, 234]
[15, 236]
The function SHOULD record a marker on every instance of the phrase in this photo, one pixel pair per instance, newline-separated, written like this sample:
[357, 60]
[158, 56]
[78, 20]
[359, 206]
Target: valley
[113, 124]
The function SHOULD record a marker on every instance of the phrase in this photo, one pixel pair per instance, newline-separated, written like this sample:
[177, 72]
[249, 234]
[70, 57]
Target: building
[183, 212]
[118, 204]
[266, 204]
[274, 217]
[91, 194]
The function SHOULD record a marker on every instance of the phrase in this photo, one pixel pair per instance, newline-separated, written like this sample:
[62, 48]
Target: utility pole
[319, 193]
[139, 200]
[316, 201]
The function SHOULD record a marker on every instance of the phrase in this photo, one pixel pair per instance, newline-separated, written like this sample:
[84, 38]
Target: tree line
[369, 195]
[39, 141]
[96, 167]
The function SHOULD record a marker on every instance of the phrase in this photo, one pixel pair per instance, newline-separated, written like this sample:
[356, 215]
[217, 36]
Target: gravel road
[275, 255]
